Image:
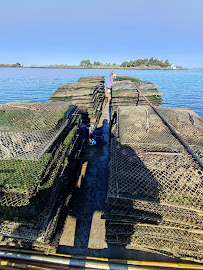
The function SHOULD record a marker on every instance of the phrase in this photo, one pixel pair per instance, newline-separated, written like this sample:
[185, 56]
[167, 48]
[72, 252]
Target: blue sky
[43, 32]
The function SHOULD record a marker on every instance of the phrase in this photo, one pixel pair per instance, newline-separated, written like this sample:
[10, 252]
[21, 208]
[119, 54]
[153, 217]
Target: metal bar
[60, 260]
[147, 116]
[162, 153]
[117, 123]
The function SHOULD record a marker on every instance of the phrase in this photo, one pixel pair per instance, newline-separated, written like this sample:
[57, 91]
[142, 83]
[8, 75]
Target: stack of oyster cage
[39, 149]
[155, 190]
[88, 94]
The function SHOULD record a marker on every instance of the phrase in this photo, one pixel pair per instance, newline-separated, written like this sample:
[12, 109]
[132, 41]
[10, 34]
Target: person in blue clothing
[92, 140]
[108, 89]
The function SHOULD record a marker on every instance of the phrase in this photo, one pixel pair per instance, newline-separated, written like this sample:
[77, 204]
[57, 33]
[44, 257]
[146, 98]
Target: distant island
[132, 64]
[11, 65]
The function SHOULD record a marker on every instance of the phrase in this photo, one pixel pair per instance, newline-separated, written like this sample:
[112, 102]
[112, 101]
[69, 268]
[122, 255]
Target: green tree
[139, 62]
[97, 63]
[124, 64]
[145, 62]
[131, 63]
[85, 63]
[166, 63]
[17, 65]
[151, 61]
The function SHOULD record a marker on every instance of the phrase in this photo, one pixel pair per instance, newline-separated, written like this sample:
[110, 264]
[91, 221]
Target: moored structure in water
[154, 197]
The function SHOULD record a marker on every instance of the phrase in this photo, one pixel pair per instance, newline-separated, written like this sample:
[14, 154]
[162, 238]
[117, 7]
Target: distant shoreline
[94, 67]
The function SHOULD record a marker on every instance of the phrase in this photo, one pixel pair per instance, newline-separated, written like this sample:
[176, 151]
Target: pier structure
[138, 195]
[154, 188]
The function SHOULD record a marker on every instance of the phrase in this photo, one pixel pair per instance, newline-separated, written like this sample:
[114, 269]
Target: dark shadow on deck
[87, 206]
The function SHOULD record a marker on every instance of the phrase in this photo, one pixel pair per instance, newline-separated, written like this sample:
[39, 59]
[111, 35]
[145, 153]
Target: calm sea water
[180, 88]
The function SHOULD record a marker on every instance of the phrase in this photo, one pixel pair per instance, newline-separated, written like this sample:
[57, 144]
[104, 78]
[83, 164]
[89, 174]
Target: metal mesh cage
[188, 124]
[174, 248]
[148, 162]
[125, 92]
[154, 180]
[164, 232]
[162, 212]
[28, 154]
[88, 94]
[26, 129]
[40, 146]
[32, 192]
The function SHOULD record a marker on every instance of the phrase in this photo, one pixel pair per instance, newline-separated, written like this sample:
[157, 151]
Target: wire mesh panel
[181, 249]
[141, 127]
[36, 225]
[87, 88]
[164, 232]
[148, 162]
[156, 212]
[154, 180]
[27, 128]
[40, 146]
[29, 133]
[32, 192]
[188, 124]
[87, 94]
[165, 179]
[125, 92]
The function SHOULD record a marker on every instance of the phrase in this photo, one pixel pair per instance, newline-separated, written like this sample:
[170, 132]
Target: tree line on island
[132, 63]
[152, 63]
[11, 65]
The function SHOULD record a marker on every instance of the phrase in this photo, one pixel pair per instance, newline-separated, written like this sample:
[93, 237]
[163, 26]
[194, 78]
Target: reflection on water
[180, 88]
